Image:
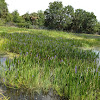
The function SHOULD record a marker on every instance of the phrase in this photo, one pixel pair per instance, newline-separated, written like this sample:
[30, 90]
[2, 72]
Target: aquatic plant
[51, 59]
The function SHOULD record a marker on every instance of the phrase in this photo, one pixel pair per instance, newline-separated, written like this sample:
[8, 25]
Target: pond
[15, 94]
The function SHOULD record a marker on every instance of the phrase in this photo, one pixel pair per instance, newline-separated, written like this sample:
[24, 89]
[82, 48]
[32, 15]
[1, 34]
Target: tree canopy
[65, 18]
[3, 9]
[56, 16]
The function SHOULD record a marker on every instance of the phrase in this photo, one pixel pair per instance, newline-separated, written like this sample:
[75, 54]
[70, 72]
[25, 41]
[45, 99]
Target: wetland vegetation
[42, 56]
[44, 60]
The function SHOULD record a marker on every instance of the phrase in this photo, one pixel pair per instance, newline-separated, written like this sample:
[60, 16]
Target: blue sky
[30, 6]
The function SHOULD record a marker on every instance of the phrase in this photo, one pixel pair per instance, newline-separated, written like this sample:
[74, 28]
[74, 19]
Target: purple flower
[55, 56]
[26, 53]
[62, 60]
[3, 80]
[96, 69]
[37, 55]
[75, 69]
[32, 75]
[4, 59]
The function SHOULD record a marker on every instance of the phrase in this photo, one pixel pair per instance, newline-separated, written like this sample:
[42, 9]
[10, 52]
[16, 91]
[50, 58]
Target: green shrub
[24, 25]
[2, 22]
[11, 24]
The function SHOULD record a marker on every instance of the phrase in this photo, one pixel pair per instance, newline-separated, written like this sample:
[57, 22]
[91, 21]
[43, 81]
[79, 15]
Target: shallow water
[15, 94]
[98, 60]
[2, 60]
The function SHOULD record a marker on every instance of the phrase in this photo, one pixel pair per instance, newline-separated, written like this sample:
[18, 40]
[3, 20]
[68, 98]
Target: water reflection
[2, 60]
[98, 59]
[21, 94]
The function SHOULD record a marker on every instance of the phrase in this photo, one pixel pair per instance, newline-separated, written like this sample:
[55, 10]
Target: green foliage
[67, 14]
[64, 18]
[84, 21]
[97, 28]
[27, 18]
[3, 9]
[31, 18]
[53, 15]
[2, 22]
[24, 25]
[51, 59]
[34, 18]
[41, 18]
[17, 18]
[9, 17]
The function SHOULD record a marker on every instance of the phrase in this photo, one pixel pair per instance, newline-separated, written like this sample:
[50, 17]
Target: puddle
[22, 95]
[97, 51]
[2, 60]
[98, 59]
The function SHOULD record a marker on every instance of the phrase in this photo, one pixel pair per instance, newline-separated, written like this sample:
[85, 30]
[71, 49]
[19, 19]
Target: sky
[30, 6]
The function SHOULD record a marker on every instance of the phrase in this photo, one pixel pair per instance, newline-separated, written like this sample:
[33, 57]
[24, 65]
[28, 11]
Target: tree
[3, 9]
[83, 21]
[34, 18]
[53, 15]
[59, 17]
[97, 28]
[41, 18]
[16, 17]
[78, 20]
[9, 17]
[27, 17]
[90, 22]
[68, 15]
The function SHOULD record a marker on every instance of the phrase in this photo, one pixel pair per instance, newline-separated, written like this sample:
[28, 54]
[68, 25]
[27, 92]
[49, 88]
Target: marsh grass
[51, 59]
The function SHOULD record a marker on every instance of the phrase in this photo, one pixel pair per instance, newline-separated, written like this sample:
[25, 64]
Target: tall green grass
[51, 59]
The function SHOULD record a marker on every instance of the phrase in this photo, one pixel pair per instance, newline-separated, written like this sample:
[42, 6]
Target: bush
[24, 25]
[11, 24]
[2, 22]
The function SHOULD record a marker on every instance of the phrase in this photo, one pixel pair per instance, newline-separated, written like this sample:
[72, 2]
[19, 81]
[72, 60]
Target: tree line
[56, 17]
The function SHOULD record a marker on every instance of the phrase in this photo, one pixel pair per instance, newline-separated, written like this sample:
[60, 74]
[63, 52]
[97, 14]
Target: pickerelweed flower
[3, 80]
[97, 69]
[55, 56]
[32, 75]
[62, 60]
[37, 55]
[26, 53]
[75, 69]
